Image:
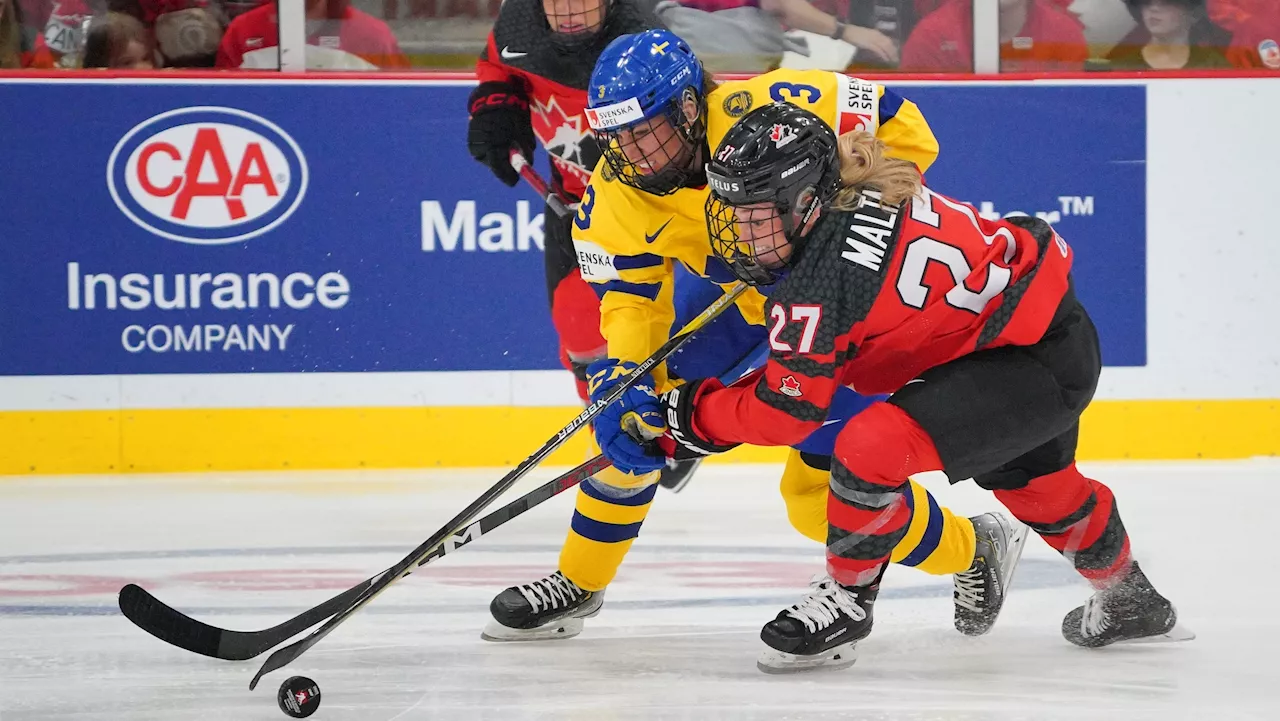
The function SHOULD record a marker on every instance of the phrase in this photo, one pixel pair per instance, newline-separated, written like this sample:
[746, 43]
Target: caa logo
[207, 175]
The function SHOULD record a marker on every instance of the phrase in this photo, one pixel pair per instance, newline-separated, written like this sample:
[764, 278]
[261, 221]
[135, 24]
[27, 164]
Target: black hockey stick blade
[177, 629]
[422, 553]
[463, 536]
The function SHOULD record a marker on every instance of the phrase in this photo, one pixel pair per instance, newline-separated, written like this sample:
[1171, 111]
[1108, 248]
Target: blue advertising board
[271, 227]
[1076, 156]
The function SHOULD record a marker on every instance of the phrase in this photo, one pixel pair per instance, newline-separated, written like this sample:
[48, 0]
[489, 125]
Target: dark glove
[499, 121]
[678, 406]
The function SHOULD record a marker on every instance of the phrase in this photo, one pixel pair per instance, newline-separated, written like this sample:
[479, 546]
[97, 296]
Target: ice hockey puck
[299, 697]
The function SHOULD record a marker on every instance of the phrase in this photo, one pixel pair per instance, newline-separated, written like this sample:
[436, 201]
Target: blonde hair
[10, 36]
[864, 165]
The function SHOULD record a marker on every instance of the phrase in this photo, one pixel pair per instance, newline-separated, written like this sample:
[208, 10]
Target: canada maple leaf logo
[781, 135]
[790, 387]
[563, 135]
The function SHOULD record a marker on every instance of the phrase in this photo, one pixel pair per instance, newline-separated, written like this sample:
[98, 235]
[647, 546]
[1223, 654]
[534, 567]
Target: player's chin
[773, 260]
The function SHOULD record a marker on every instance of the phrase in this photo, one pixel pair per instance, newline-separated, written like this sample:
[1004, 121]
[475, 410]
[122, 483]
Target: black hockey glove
[678, 405]
[499, 121]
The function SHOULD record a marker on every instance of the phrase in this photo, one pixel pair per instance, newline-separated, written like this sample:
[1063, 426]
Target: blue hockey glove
[625, 429]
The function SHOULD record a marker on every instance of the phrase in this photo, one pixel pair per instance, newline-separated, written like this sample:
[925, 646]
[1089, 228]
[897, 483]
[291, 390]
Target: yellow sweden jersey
[627, 240]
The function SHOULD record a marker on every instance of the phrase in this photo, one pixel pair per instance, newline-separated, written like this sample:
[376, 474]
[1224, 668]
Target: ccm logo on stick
[207, 175]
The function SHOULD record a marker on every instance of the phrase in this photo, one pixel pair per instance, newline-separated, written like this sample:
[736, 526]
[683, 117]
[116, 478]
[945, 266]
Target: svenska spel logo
[207, 175]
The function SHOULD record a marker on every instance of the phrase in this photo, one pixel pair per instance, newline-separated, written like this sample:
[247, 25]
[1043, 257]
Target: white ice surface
[678, 635]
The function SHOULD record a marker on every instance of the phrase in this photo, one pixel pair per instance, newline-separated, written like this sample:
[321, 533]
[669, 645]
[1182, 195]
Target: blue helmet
[639, 81]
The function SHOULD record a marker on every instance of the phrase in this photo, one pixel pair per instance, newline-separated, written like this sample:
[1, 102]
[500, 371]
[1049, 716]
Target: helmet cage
[793, 204]
[578, 41]
[676, 159]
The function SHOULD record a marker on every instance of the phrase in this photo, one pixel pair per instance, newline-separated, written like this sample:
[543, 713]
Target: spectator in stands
[117, 41]
[339, 37]
[1171, 35]
[1036, 36]
[755, 27]
[15, 42]
[61, 42]
[182, 33]
[1255, 29]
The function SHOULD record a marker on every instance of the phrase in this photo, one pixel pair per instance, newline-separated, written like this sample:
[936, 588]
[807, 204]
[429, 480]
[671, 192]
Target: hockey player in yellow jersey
[642, 242]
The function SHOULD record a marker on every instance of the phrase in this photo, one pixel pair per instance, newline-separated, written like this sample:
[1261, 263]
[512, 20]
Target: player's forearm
[737, 415]
[634, 326]
[800, 15]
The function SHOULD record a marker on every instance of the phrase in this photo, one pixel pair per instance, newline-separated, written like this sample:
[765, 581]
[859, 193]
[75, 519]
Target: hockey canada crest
[790, 387]
[565, 138]
[781, 134]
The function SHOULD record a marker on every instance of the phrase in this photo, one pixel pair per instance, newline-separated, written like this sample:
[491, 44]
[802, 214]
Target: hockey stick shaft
[175, 628]
[526, 171]
[288, 654]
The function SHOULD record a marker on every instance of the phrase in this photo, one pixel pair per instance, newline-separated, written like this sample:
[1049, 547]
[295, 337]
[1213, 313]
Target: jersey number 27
[809, 315]
[915, 261]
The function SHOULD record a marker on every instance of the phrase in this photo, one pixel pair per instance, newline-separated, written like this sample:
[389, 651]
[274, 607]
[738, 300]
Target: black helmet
[783, 161]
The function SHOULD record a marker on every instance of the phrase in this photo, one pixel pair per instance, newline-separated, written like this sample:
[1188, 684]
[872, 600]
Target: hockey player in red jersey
[533, 77]
[971, 324]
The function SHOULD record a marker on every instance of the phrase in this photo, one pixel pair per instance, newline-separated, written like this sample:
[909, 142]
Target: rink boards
[313, 274]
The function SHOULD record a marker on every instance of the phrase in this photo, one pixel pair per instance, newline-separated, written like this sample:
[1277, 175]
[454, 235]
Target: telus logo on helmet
[207, 175]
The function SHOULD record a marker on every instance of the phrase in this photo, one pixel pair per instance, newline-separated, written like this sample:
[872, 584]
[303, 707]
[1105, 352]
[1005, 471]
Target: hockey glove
[626, 428]
[678, 406]
[499, 121]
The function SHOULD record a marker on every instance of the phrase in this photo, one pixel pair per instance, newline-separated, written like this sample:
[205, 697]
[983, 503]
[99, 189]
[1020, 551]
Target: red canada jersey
[520, 50]
[883, 293]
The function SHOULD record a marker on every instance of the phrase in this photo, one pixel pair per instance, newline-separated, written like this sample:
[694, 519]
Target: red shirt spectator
[1255, 25]
[1049, 40]
[361, 40]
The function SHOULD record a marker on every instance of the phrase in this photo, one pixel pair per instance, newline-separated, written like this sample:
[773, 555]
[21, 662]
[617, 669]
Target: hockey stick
[526, 171]
[177, 629]
[289, 653]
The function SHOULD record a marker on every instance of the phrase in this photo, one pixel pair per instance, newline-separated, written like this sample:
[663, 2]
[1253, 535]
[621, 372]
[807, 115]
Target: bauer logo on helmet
[207, 175]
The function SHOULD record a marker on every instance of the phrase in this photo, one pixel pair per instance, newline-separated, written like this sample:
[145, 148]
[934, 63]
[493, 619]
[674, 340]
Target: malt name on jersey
[868, 236]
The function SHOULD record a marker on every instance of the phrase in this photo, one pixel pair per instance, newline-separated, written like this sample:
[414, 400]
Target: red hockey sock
[867, 513]
[1078, 517]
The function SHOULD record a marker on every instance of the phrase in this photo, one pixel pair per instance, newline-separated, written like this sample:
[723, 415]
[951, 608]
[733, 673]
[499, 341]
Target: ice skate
[677, 474]
[1132, 611]
[549, 608]
[980, 591]
[821, 631]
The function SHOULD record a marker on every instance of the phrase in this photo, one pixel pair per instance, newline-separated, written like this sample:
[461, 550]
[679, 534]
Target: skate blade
[564, 628]
[1174, 635]
[776, 662]
[1017, 542]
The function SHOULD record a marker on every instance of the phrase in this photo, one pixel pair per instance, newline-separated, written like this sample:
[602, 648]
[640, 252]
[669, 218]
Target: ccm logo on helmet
[207, 175]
